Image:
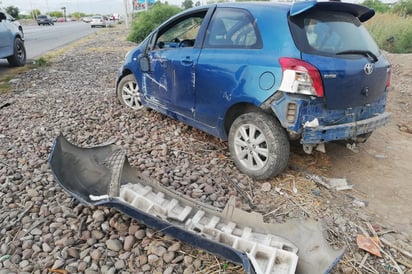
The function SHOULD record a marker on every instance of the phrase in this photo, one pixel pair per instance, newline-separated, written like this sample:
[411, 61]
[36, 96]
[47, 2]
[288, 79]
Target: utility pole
[64, 13]
[127, 12]
[32, 11]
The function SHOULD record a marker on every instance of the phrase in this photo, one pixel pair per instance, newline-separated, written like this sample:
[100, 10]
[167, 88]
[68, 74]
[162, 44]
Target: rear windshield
[329, 33]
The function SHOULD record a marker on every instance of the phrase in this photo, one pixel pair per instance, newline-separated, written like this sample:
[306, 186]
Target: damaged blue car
[261, 74]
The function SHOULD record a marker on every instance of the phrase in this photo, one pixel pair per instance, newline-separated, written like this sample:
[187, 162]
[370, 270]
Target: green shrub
[393, 33]
[148, 21]
[377, 5]
[39, 62]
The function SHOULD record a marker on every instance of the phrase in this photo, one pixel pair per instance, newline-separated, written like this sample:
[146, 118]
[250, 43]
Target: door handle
[186, 62]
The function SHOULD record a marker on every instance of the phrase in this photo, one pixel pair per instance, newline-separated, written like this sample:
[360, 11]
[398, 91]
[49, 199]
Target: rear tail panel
[351, 82]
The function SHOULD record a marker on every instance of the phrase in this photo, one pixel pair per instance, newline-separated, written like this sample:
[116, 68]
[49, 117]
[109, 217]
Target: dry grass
[393, 33]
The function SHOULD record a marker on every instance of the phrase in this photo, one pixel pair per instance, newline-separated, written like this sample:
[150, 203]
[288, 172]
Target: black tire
[258, 145]
[128, 92]
[18, 59]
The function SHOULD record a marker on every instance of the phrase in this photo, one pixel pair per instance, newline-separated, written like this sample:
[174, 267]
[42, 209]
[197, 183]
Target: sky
[85, 6]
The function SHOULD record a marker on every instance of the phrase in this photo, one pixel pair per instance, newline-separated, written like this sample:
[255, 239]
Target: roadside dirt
[382, 170]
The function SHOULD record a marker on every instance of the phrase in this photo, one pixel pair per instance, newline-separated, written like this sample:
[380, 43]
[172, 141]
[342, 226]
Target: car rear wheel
[128, 92]
[18, 58]
[258, 145]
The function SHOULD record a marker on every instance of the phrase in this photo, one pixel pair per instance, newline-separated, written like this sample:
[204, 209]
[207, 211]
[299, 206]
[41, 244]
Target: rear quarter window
[328, 33]
[233, 28]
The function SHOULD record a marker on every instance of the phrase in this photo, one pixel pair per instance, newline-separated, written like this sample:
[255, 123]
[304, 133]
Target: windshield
[330, 33]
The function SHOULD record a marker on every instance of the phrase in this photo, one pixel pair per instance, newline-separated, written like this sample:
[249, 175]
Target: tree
[403, 7]
[377, 5]
[149, 20]
[56, 14]
[187, 4]
[13, 11]
[35, 13]
[78, 15]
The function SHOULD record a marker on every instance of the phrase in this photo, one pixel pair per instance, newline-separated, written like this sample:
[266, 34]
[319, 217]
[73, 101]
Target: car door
[4, 36]
[169, 84]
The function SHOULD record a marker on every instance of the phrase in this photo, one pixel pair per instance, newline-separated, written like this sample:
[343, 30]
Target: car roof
[246, 5]
[296, 8]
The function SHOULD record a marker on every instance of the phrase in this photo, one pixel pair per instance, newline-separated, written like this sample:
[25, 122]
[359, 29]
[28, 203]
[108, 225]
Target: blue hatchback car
[261, 74]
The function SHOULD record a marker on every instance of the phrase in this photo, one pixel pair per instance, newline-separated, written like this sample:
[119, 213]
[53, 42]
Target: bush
[403, 7]
[148, 21]
[392, 32]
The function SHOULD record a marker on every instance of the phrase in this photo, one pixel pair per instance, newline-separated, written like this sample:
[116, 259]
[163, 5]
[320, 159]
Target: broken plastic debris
[313, 123]
[321, 148]
[295, 190]
[98, 198]
[279, 190]
[358, 203]
[339, 183]
[352, 147]
[336, 183]
[104, 173]
[369, 244]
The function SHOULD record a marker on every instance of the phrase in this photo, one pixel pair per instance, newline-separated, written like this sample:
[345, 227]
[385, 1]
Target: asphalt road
[41, 39]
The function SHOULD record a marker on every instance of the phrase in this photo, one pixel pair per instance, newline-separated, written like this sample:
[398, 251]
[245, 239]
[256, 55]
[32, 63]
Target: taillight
[300, 77]
[388, 79]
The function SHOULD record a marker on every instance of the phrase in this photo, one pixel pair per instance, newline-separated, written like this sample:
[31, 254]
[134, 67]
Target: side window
[232, 28]
[181, 33]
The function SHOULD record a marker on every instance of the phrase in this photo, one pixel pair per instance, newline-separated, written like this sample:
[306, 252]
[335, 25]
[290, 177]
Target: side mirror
[144, 63]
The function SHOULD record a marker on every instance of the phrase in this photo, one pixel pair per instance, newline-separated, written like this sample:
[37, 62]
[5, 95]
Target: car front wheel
[128, 92]
[18, 58]
[258, 145]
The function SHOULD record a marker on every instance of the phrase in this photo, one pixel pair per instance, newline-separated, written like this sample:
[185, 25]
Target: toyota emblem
[368, 68]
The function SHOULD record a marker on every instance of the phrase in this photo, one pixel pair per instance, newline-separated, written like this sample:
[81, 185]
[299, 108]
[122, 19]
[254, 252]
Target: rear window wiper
[366, 53]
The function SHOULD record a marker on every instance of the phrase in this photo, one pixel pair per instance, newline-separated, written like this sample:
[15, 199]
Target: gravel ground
[43, 230]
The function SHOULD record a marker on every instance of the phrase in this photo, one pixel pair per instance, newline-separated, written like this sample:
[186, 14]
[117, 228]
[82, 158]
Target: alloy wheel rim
[131, 95]
[20, 53]
[251, 147]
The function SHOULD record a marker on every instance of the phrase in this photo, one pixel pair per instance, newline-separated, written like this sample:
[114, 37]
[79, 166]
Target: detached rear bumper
[323, 134]
[102, 176]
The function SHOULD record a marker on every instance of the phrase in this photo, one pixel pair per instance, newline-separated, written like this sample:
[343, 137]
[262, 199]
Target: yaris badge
[368, 68]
